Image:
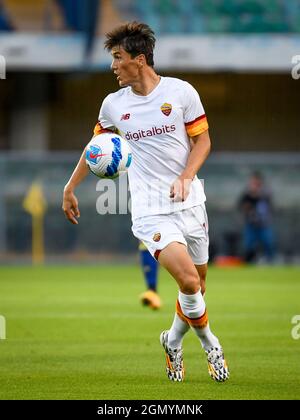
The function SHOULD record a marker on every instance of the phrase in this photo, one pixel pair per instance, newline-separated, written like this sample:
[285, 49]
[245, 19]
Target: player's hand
[180, 189]
[70, 206]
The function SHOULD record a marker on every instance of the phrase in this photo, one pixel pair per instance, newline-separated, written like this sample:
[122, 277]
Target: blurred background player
[256, 206]
[149, 266]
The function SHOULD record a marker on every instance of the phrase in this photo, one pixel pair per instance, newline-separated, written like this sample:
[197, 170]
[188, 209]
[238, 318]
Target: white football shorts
[189, 227]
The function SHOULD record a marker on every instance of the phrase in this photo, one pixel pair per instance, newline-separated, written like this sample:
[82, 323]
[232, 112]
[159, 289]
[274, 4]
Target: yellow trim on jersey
[196, 127]
[99, 130]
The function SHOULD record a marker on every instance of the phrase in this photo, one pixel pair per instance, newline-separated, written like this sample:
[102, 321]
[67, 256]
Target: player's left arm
[200, 150]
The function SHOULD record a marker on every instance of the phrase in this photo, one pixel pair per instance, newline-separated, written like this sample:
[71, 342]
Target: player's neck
[147, 83]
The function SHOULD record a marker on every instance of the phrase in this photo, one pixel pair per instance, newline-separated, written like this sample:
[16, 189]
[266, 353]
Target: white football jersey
[157, 127]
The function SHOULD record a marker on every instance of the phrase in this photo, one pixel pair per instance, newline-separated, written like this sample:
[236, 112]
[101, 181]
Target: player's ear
[141, 59]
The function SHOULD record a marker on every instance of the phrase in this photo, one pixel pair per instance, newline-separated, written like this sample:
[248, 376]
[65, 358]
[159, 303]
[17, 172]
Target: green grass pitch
[81, 333]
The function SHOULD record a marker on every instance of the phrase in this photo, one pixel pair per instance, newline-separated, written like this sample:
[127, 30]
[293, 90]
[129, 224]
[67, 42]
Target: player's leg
[191, 309]
[165, 241]
[267, 240]
[207, 338]
[157, 233]
[190, 306]
[176, 260]
[197, 246]
[149, 267]
[250, 239]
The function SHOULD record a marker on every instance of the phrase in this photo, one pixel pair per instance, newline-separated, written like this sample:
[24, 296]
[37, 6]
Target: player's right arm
[70, 202]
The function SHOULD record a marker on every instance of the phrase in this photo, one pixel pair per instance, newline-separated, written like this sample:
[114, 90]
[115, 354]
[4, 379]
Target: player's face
[126, 69]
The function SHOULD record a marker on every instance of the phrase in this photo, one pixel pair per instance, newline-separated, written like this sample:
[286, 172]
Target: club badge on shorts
[156, 237]
[166, 109]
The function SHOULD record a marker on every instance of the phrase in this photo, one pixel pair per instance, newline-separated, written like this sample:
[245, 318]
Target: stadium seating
[24, 15]
[214, 16]
[164, 16]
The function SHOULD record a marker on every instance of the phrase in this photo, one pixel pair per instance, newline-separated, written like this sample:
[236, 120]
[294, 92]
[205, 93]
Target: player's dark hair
[135, 37]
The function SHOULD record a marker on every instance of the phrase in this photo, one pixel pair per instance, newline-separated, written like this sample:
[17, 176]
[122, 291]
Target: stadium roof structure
[217, 52]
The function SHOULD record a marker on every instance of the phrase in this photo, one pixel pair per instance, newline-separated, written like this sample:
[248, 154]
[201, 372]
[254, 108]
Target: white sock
[193, 307]
[206, 337]
[177, 331]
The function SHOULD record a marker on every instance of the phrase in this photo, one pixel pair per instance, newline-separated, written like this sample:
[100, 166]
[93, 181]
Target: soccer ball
[108, 155]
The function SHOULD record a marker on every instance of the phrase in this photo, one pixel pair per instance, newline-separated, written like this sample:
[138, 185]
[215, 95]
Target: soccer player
[160, 116]
[149, 266]
[256, 205]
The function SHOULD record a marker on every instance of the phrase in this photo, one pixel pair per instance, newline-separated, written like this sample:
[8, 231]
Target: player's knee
[190, 282]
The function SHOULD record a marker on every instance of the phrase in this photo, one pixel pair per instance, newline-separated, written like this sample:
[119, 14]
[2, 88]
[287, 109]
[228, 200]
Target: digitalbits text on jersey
[154, 131]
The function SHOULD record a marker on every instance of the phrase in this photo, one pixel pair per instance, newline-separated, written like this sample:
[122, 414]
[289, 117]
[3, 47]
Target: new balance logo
[125, 117]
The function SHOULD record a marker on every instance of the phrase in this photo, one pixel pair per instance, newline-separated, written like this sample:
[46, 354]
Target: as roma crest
[166, 109]
[156, 237]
